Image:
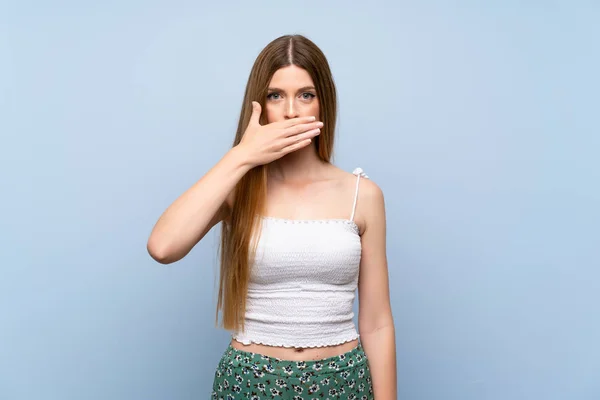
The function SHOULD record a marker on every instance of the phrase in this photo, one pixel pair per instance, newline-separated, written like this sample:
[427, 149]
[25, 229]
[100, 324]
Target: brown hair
[239, 235]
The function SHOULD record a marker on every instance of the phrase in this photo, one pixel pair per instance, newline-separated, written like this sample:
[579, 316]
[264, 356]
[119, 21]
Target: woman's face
[291, 94]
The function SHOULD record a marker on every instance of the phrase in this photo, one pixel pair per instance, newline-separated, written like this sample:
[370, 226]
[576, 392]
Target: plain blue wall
[479, 121]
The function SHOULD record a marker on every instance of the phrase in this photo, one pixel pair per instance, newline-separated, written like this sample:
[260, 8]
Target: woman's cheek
[272, 115]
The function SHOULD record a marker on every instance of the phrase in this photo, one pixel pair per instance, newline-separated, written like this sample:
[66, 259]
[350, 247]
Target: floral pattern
[246, 375]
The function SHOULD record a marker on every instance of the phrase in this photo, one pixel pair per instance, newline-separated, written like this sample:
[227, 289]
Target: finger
[299, 120]
[298, 129]
[303, 136]
[296, 146]
[255, 117]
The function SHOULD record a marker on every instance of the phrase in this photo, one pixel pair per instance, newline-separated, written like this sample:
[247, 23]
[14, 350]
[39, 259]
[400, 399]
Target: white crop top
[303, 282]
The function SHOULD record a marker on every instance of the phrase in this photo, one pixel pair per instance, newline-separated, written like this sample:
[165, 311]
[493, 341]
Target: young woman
[299, 236]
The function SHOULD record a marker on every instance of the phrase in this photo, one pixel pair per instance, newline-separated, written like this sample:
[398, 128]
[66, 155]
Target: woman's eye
[305, 96]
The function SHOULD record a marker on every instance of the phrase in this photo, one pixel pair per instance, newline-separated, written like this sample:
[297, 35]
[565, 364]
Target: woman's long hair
[239, 235]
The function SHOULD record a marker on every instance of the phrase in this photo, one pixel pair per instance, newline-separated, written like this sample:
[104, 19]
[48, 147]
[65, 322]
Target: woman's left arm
[375, 321]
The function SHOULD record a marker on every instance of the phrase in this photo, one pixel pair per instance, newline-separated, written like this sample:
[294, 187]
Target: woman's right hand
[265, 143]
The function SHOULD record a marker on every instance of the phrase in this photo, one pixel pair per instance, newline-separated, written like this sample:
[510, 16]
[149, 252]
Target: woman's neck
[299, 166]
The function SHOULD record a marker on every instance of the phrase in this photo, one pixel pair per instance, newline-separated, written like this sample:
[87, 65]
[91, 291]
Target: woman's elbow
[160, 252]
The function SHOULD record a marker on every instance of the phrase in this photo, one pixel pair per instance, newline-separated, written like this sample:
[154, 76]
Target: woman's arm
[375, 322]
[185, 222]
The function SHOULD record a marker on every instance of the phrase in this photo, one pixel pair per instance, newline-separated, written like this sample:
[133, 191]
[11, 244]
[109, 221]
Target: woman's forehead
[291, 77]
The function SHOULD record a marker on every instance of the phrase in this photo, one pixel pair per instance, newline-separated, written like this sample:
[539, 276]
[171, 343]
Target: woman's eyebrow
[274, 89]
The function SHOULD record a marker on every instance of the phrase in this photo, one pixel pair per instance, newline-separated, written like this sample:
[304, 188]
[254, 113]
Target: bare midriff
[297, 353]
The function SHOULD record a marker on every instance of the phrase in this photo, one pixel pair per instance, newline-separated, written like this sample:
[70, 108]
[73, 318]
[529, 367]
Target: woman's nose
[291, 111]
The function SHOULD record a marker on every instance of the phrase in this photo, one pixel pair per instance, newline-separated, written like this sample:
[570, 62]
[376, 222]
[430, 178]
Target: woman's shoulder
[366, 196]
[350, 178]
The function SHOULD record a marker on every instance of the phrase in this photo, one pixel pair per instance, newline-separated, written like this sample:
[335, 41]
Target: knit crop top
[303, 281]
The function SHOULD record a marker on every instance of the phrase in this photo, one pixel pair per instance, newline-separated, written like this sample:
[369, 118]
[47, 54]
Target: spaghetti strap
[359, 173]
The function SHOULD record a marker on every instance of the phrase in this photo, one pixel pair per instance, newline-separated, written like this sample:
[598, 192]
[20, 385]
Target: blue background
[479, 120]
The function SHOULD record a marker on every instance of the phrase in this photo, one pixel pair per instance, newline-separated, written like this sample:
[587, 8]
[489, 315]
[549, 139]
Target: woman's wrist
[240, 157]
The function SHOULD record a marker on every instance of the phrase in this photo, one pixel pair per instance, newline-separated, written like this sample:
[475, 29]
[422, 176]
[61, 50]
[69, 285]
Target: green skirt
[246, 375]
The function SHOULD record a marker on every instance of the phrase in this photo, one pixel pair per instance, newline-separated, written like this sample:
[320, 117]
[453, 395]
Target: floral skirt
[246, 375]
